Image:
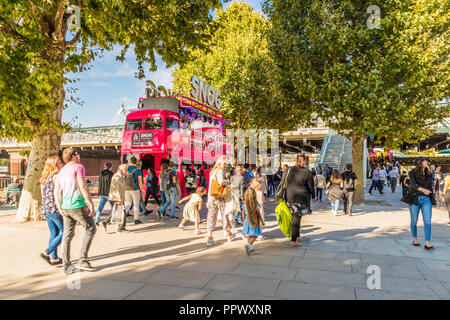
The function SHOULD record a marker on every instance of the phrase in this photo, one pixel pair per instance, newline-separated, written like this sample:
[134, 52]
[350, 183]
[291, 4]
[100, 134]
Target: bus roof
[172, 103]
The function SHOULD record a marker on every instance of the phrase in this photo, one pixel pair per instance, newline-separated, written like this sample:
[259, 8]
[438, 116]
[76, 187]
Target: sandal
[181, 227]
[295, 244]
[56, 262]
[46, 258]
[416, 244]
[428, 248]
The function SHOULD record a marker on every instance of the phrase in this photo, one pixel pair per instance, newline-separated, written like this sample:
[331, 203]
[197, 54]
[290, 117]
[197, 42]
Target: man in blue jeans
[171, 194]
[104, 183]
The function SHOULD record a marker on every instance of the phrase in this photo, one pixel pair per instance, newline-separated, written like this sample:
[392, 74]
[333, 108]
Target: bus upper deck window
[153, 123]
[172, 124]
[134, 124]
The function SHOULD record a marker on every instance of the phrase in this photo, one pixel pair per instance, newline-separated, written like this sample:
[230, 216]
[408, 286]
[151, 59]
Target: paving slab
[208, 266]
[332, 278]
[233, 295]
[153, 291]
[321, 264]
[101, 288]
[295, 290]
[367, 294]
[180, 278]
[263, 271]
[244, 284]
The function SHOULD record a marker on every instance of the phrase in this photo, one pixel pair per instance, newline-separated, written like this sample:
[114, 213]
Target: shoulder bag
[281, 192]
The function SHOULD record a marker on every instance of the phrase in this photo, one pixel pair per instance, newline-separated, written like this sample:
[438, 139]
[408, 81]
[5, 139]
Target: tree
[359, 79]
[237, 64]
[36, 55]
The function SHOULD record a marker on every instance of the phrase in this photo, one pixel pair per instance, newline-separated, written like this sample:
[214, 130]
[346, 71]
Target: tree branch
[59, 18]
[74, 41]
[9, 29]
[43, 26]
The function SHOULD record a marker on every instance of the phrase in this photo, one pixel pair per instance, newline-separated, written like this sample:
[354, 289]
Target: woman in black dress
[300, 190]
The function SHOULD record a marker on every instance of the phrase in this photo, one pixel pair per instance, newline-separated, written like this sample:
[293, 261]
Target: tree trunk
[44, 144]
[358, 166]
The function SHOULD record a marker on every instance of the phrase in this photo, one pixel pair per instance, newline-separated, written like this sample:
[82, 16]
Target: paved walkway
[157, 261]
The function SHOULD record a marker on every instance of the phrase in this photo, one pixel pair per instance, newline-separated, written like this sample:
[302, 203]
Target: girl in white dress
[191, 211]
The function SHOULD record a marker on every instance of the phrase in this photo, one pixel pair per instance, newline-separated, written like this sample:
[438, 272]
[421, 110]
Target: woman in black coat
[299, 192]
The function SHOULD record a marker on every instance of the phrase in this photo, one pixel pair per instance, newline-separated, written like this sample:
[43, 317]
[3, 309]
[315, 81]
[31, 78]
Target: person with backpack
[152, 187]
[104, 183]
[350, 182]
[117, 197]
[133, 188]
[191, 182]
[319, 183]
[168, 184]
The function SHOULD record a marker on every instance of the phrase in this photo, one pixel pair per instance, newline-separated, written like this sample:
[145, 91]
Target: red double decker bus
[174, 128]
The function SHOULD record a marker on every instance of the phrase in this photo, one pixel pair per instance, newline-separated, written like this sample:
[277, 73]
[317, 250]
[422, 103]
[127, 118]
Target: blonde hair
[219, 161]
[200, 190]
[255, 183]
[251, 204]
[122, 167]
[50, 168]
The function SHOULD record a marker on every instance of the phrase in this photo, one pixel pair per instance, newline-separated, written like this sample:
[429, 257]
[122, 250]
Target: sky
[109, 83]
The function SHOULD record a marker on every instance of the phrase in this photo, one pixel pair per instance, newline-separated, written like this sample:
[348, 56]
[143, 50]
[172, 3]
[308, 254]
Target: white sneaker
[181, 227]
[210, 242]
[197, 231]
[261, 238]
[230, 238]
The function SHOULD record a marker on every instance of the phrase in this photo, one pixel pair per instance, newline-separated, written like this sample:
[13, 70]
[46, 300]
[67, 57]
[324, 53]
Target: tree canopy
[359, 80]
[237, 63]
[37, 51]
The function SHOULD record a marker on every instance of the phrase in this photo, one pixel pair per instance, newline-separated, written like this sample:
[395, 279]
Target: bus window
[172, 124]
[153, 123]
[134, 124]
[126, 157]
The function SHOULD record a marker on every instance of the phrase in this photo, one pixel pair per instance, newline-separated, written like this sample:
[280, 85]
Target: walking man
[104, 183]
[393, 176]
[133, 188]
[350, 182]
[71, 195]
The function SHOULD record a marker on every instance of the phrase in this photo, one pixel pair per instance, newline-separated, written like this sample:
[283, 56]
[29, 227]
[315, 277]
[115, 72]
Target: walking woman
[117, 197]
[334, 188]
[152, 187]
[216, 205]
[50, 211]
[421, 178]
[447, 194]
[300, 190]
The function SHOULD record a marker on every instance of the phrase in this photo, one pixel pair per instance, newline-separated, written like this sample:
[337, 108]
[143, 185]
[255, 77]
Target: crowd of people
[233, 195]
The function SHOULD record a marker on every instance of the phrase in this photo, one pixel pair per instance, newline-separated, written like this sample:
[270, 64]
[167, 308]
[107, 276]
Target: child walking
[253, 219]
[192, 209]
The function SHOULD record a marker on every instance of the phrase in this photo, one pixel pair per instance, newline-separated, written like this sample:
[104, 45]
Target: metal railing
[323, 150]
[92, 183]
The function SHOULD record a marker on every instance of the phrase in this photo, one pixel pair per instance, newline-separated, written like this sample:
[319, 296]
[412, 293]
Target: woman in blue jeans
[421, 179]
[49, 209]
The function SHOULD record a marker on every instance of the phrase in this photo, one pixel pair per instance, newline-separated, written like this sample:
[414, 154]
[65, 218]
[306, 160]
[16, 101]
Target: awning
[398, 154]
[444, 151]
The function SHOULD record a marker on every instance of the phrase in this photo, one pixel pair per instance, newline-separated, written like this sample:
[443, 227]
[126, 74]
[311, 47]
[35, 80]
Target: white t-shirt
[383, 174]
[393, 174]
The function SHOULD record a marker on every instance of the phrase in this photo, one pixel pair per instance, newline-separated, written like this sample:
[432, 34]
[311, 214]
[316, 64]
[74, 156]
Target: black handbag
[409, 197]
[280, 194]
